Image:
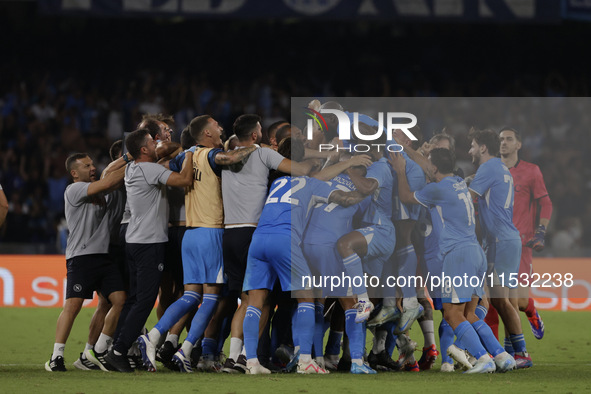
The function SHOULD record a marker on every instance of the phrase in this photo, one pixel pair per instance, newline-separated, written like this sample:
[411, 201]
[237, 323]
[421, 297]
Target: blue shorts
[416, 181]
[325, 261]
[381, 241]
[464, 269]
[503, 259]
[202, 256]
[272, 256]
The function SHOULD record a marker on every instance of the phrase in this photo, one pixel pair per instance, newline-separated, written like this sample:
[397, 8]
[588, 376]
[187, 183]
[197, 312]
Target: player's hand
[314, 104]
[398, 162]
[360, 160]
[537, 241]
[426, 149]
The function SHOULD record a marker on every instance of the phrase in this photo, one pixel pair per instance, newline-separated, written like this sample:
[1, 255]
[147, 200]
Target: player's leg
[94, 334]
[80, 285]
[352, 247]
[208, 306]
[407, 267]
[525, 302]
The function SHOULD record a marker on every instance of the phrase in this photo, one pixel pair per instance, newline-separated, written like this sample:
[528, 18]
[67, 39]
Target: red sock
[530, 310]
[492, 319]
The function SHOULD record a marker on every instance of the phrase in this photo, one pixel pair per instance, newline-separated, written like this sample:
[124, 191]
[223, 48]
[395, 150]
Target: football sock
[481, 312]
[354, 269]
[103, 342]
[318, 330]
[492, 319]
[305, 327]
[250, 327]
[210, 346]
[333, 345]
[465, 332]
[530, 310]
[235, 348]
[518, 342]
[173, 313]
[355, 334]
[428, 332]
[446, 339]
[58, 350]
[491, 343]
[173, 338]
[202, 317]
[509, 347]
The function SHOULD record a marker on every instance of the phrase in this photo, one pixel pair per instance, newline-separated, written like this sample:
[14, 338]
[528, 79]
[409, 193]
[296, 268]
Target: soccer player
[462, 257]
[531, 200]
[201, 245]
[87, 259]
[146, 237]
[328, 223]
[244, 190]
[493, 184]
[282, 223]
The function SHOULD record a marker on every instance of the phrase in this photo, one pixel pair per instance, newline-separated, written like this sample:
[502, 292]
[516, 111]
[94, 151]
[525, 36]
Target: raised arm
[422, 160]
[235, 156]
[295, 168]
[334, 170]
[399, 165]
[110, 182]
[346, 199]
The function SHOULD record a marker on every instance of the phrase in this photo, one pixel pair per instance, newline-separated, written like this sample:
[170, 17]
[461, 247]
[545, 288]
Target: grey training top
[87, 221]
[244, 192]
[146, 194]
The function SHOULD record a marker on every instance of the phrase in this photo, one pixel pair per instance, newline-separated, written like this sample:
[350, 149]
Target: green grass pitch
[562, 364]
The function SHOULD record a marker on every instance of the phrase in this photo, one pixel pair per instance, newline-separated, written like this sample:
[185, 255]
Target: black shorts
[235, 244]
[92, 272]
[174, 261]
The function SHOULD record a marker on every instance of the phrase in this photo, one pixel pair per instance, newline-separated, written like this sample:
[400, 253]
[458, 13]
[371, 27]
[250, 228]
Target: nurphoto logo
[387, 122]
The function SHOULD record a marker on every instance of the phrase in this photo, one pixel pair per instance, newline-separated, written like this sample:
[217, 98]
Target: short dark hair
[115, 149]
[443, 159]
[282, 133]
[151, 124]
[135, 141]
[272, 130]
[292, 149]
[244, 125]
[71, 160]
[488, 138]
[517, 133]
[187, 139]
[197, 126]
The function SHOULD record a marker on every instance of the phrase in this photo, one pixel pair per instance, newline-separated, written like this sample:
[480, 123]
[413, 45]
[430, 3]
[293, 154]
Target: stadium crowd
[45, 116]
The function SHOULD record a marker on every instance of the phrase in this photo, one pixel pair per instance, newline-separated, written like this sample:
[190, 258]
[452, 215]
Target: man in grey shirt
[244, 191]
[88, 263]
[146, 237]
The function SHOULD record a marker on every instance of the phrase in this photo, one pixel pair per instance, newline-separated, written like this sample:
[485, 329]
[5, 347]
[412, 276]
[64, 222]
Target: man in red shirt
[531, 201]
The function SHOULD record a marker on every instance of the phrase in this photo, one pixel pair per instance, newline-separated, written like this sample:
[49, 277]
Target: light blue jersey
[289, 204]
[494, 185]
[462, 255]
[329, 222]
[275, 250]
[451, 200]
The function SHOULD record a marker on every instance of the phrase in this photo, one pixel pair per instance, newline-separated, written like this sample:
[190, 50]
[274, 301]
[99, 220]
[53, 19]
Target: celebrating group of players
[202, 225]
